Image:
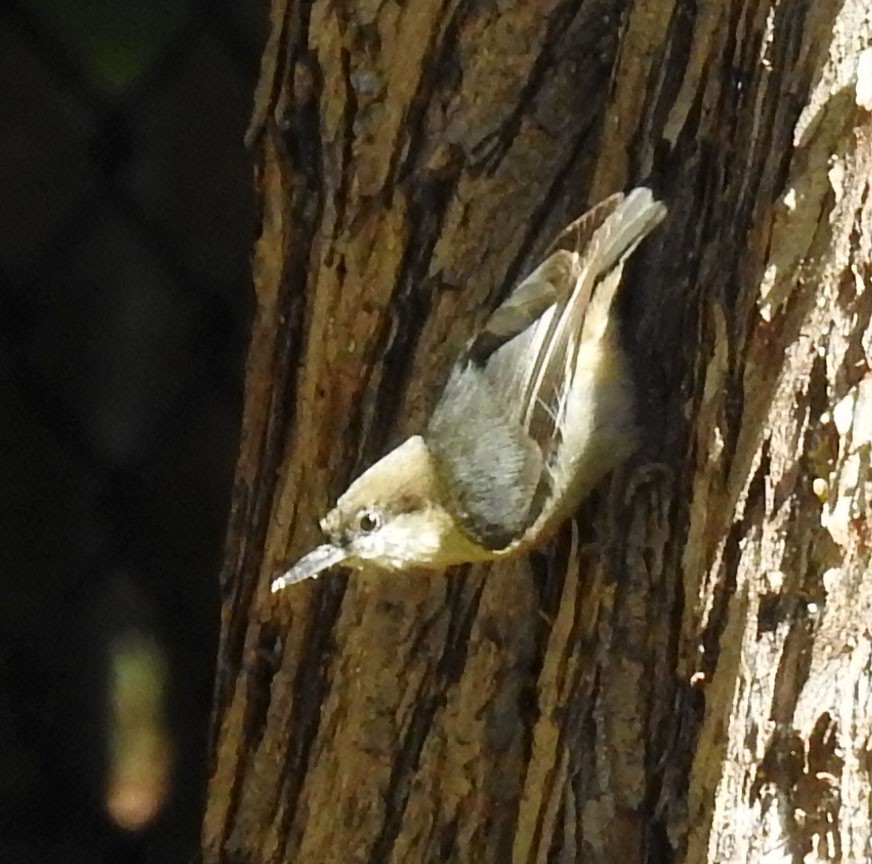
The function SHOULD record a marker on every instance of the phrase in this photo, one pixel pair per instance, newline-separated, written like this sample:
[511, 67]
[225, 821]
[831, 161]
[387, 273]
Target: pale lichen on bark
[782, 760]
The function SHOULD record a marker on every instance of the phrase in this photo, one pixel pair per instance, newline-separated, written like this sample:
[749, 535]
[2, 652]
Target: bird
[538, 408]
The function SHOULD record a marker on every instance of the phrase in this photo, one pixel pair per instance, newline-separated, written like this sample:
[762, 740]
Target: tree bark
[686, 677]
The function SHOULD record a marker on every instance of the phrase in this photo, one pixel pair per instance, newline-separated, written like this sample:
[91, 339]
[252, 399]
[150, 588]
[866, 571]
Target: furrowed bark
[686, 679]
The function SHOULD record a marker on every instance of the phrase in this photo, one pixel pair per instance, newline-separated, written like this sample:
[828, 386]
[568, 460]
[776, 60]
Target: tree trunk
[687, 676]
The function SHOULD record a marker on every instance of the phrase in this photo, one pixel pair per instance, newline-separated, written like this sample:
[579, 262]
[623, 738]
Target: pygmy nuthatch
[539, 407]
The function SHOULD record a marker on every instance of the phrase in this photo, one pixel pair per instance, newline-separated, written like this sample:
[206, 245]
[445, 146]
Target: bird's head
[392, 518]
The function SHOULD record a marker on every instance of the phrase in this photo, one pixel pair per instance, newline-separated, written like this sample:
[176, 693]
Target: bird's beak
[316, 562]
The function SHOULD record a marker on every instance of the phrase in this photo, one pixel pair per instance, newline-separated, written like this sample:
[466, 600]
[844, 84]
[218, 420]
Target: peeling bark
[688, 677]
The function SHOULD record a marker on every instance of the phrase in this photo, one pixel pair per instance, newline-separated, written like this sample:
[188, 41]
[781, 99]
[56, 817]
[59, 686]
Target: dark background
[126, 222]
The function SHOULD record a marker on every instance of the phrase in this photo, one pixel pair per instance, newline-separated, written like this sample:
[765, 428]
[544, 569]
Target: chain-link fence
[125, 230]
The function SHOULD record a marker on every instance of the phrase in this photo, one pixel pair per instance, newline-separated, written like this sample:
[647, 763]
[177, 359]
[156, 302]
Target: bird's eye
[368, 521]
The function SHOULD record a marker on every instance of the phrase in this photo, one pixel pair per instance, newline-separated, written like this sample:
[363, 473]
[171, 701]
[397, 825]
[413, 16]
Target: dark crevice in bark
[710, 637]
[266, 661]
[673, 63]
[577, 739]
[576, 725]
[256, 683]
[304, 212]
[227, 663]
[273, 74]
[676, 761]
[440, 69]
[251, 526]
[768, 163]
[856, 365]
[275, 436]
[520, 263]
[428, 202]
[446, 842]
[409, 308]
[549, 572]
[674, 724]
[376, 411]
[556, 846]
[310, 688]
[795, 662]
[294, 147]
[431, 699]
[349, 113]
[491, 151]
[665, 614]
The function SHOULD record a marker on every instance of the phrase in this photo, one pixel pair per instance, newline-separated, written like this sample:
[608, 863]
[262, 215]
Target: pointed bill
[309, 566]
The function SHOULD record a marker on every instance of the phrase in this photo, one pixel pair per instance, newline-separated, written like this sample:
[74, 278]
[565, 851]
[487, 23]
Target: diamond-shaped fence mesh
[126, 220]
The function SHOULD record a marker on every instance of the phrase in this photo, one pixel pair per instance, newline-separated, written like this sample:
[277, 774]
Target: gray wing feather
[489, 467]
[546, 285]
[495, 431]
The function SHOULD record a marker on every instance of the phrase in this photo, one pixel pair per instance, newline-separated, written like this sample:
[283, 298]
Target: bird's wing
[488, 466]
[550, 282]
[532, 370]
[495, 429]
